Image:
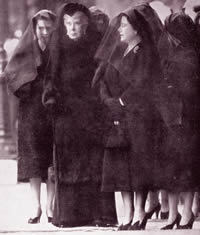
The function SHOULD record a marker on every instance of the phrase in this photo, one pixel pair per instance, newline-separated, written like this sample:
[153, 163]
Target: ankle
[36, 212]
[172, 218]
[138, 216]
[186, 217]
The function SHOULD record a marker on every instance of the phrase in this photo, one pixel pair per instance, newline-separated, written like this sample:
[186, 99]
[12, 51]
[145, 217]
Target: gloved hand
[24, 91]
[115, 107]
[49, 99]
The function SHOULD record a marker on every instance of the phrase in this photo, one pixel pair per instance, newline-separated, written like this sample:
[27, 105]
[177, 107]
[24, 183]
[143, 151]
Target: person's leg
[164, 211]
[153, 204]
[173, 206]
[187, 209]
[174, 216]
[139, 212]
[35, 184]
[127, 198]
[164, 201]
[50, 198]
[195, 205]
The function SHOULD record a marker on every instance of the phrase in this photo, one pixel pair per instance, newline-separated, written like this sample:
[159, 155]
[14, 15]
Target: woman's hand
[115, 107]
[48, 99]
[24, 91]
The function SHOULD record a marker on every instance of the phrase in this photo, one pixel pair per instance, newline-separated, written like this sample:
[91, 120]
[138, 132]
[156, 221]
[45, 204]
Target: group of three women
[135, 131]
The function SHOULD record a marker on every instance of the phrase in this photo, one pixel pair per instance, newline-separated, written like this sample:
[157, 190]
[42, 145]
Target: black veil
[59, 37]
[22, 67]
[182, 28]
[150, 28]
[110, 44]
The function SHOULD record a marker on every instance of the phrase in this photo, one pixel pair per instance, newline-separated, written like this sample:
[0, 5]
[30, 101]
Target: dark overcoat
[25, 73]
[133, 82]
[179, 105]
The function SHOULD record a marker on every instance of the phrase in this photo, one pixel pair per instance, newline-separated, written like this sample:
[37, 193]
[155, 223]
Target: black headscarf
[181, 27]
[97, 14]
[22, 67]
[60, 38]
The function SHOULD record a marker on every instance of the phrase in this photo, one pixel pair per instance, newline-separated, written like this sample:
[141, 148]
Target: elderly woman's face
[76, 25]
[43, 30]
[126, 31]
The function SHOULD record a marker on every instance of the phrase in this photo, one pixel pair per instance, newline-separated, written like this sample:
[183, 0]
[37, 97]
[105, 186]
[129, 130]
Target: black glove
[115, 107]
[24, 91]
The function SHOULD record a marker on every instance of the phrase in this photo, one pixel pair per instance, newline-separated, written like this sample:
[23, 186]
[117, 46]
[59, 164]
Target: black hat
[71, 8]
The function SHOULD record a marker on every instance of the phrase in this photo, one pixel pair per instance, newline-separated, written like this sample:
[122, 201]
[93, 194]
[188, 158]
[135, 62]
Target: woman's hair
[72, 8]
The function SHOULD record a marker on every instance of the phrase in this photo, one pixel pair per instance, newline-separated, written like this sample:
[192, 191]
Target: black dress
[25, 73]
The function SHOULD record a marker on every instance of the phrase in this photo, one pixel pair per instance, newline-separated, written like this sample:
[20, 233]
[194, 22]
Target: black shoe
[103, 223]
[49, 219]
[188, 225]
[135, 226]
[144, 222]
[164, 215]
[35, 220]
[176, 222]
[124, 226]
[156, 210]
[139, 225]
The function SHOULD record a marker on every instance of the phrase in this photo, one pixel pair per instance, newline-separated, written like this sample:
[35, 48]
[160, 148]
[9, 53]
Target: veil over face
[100, 19]
[60, 39]
[181, 27]
[22, 67]
[153, 28]
[112, 43]
[111, 36]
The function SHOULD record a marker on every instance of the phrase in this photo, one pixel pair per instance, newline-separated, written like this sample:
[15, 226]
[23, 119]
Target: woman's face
[43, 30]
[76, 25]
[100, 23]
[126, 31]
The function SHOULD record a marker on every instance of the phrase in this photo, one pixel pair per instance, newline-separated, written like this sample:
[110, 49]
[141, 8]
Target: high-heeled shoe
[35, 220]
[139, 225]
[156, 210]
[164, 215]
[135, 226]
[188, 225]
[124, 226]
[144, 222]
[176, 222]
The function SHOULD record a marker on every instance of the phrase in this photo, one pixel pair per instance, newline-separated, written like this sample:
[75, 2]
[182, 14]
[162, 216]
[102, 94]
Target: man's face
[76, 25]
[43, 30]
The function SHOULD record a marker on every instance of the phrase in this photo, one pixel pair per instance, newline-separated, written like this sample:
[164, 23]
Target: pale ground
[15, 206]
